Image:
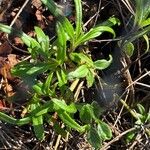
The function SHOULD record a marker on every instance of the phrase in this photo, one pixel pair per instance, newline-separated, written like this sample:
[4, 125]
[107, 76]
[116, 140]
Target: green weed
[62, 65]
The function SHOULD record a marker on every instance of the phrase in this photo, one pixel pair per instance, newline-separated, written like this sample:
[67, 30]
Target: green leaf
[138, 12]
[68, 27]
[93, 33]
[66, 118]
[37, 122]
[25, 68]
[110, 22]
[130, 136]
[147, 43]
[90, 78]
[93, 138]
[61, 53]
[128, 48]
[71, 108]
[78, 8]
[103, 64]
[38, 88]
[12, 120]
[104, 131]
[80, 72]
[141, 109]
[43, 109]
[40, 34]
[148, 117]
[30, 42]
[81, 58]
[145, 22]
[46, 86]
[6, 28]
[38, 127]
[60, 104]
[62, 77]
[43, 40]
[86, 114]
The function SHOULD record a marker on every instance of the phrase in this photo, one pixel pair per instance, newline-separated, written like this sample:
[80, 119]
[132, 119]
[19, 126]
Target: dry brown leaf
[36, 3]
[8, 89]
[12, 60]
[6, 64]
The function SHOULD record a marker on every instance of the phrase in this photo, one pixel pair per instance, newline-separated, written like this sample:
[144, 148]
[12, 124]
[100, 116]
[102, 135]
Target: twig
[19, 12]
[78, 91]
[128, 5]
[147, 73]
[98, 11]
[146, 85]
[118, 117]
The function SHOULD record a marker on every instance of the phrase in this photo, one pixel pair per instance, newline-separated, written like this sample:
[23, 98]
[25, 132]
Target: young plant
[141, 27]
[142, 118]
[61, 64]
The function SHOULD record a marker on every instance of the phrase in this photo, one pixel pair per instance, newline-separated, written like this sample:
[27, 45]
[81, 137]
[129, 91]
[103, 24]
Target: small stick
[19, 12]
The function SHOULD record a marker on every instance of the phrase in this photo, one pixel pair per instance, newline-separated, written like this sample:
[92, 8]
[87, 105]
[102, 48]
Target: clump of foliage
[62, 66]
[140, 27]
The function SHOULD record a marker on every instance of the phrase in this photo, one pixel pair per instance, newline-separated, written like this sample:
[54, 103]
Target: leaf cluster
[61, 64]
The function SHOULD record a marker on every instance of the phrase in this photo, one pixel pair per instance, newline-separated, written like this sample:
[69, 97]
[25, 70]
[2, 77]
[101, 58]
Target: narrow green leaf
[23, 121]
[38, 127]
[25, 68]
[66, 118]
[43, 40]
[43, 109]
[62, 78]
[30, 42]
[38, 89]
[130, 136]
[90, 78]
[61, 53]
[60, 104]
[139, 12]
[147, 43]
[47, 84]
[40, 34]
[103, 63]
[68, 27]
[81, 58]
[78, 8]
[80, 72]
[12, 120]
[141, 109]
[148, 116]
[145, 23]
[93, 33]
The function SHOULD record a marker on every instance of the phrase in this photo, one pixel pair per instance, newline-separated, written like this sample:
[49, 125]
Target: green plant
[141, 27]
[61, 64]
[142, 118]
